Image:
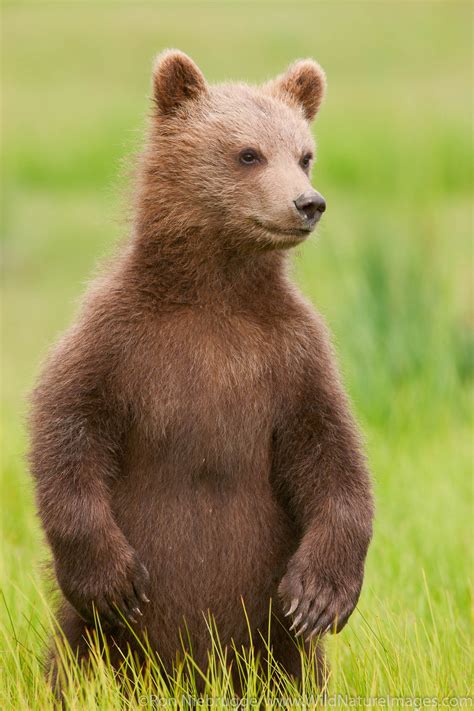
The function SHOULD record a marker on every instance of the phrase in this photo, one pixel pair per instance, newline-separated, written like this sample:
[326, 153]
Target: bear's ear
[176, 79]
[303, 84]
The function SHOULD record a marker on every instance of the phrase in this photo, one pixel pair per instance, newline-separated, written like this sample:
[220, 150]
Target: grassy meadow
[390, 268]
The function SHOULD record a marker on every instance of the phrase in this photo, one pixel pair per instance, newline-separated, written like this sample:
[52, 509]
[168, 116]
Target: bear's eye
[306, 160]
[249, 156]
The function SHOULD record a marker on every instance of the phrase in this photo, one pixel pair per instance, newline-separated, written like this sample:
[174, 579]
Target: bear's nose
[310, 205]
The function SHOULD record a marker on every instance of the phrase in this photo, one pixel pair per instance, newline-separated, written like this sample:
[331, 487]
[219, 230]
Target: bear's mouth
[294, 233]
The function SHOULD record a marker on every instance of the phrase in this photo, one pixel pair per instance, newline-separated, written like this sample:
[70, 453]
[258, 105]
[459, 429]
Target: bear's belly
[210, 538]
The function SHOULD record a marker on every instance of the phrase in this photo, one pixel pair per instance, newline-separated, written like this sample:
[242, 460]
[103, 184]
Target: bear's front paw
[316, 603]
[112, 589]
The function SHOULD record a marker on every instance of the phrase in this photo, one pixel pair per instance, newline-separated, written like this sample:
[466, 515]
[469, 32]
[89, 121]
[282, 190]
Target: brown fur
[190, 438]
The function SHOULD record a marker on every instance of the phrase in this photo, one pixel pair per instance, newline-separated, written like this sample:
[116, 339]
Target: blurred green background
[390, 268]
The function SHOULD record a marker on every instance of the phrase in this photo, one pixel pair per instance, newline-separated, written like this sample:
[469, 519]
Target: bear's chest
[208, 393]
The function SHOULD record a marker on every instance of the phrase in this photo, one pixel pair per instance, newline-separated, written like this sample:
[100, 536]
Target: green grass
[390, 269]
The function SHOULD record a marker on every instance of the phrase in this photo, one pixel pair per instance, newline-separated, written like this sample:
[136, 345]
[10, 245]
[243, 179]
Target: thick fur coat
[191, 443]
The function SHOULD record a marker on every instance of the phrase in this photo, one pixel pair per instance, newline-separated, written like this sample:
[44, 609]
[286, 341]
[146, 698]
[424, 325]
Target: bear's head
[234, 160]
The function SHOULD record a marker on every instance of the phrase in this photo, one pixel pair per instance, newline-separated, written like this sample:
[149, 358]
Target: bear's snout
[310, 206]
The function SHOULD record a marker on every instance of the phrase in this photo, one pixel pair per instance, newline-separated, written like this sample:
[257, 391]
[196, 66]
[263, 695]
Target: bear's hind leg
[286, 651]
[71, 648]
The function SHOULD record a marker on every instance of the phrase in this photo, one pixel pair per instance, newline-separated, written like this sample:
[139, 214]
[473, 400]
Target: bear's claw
[320, 606]
[294, 604]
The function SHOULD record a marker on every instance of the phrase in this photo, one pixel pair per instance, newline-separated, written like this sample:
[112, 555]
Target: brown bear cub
[191, 441]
